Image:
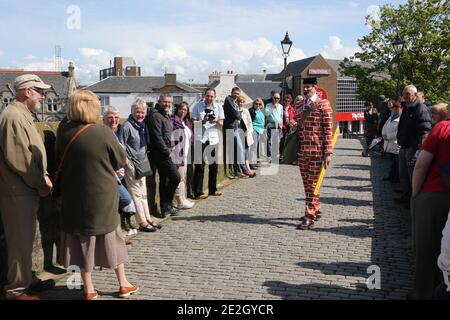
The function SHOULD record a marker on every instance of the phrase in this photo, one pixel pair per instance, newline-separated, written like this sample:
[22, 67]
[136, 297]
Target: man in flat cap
[23, 178]
[315, 124]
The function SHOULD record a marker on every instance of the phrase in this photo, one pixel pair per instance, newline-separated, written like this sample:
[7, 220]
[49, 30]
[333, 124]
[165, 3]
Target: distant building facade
[342, 90]
[121, 92]
[54, 108]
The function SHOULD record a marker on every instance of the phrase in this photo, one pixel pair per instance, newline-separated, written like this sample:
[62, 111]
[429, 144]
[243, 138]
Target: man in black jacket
[415, 123]
[160, 129]
[231, 123]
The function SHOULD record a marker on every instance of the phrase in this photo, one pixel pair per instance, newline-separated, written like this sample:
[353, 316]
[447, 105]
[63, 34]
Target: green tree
[424, 25]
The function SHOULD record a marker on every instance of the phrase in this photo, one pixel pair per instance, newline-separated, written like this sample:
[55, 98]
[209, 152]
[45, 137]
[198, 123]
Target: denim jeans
[254, 149]
[272, 134]
[126, 204]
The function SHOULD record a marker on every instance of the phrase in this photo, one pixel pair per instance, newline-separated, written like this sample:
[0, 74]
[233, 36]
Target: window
[52, 105]
[104, 101]
[347, 98]
[6, 101]
[177, 100]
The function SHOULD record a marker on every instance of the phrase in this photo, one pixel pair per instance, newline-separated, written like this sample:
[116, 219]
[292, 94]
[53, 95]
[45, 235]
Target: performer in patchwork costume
[315, 124]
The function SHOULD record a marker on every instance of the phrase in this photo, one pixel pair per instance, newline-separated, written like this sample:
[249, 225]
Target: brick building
[347, 108]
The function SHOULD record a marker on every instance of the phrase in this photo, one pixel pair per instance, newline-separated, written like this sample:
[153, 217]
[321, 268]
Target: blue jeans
[126, 204]
[239, 155]
[254, 149]
[272, 133]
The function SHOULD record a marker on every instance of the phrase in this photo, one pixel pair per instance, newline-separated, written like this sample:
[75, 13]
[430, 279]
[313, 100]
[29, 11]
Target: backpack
[445, 173]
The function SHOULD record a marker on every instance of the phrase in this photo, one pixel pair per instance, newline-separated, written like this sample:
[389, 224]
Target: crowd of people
[416, 137]
[107, 172]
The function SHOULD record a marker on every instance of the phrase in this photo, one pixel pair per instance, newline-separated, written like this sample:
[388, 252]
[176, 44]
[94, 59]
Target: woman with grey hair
[134, 136]
[127, 208]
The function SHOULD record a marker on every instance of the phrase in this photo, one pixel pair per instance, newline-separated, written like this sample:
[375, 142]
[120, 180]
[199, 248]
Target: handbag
[56, 181]
[292, 141]
[142, 168]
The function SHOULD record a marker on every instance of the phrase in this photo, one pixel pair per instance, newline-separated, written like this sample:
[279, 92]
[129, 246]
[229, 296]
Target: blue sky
[191, 38]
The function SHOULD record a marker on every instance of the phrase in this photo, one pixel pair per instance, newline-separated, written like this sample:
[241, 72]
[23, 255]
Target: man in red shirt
[430, 205]
[316, 148]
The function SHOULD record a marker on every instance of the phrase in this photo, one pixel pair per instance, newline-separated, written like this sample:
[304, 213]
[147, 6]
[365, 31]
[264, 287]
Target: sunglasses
[40, 91]
[276, 98]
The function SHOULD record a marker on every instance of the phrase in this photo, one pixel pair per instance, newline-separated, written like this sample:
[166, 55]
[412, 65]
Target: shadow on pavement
[348, 178]
[288, 291]
[241, 218]
[362, 167]
[345, 201]
[61, 293]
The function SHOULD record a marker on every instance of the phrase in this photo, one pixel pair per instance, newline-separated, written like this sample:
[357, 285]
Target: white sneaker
[130, 232]
[186, 205]
[135, 231]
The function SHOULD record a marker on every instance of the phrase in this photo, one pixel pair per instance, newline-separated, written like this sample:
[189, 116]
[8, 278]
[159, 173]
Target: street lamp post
[286, 45]
[398, 47]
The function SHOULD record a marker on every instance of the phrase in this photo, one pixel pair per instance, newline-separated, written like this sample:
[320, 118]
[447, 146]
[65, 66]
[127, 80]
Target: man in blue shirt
[208, 116]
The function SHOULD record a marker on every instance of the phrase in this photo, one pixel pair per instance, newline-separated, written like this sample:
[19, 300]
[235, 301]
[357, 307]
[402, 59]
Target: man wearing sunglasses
[23, 178]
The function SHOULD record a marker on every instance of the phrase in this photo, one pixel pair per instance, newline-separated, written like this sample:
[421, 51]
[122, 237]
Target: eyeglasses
[275, 98]
[40, 91]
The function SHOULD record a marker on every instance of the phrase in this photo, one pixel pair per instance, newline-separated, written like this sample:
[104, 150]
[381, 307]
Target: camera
[210, 114]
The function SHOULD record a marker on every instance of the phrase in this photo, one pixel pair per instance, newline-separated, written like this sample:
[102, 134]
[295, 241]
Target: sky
[191, 38]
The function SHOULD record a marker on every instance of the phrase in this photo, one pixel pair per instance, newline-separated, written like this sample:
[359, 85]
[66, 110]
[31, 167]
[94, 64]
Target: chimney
[170, 79]
[71, 70]
[118, 65]
[215, 75]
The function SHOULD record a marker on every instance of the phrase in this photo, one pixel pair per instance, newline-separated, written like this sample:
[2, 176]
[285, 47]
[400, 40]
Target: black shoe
[148, 228]
[317, 217]
[306, 224]
[39, 285]
[155, 225]
[54, 269]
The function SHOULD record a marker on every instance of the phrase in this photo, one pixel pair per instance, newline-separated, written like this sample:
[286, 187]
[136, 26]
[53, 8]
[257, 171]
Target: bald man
[415, 123]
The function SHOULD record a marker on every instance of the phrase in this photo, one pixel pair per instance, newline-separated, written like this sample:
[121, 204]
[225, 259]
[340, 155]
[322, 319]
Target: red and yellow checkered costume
[315, 135]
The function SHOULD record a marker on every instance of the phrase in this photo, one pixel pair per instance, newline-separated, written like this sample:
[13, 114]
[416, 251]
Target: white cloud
[1, 53]
[353, 4]
[335, 49]
[373, 12]
[32, 63]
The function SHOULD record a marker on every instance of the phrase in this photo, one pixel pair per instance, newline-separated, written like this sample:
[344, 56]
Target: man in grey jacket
[23, 178]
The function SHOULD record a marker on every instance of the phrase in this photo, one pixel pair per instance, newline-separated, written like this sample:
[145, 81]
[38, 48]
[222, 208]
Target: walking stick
[324, 170]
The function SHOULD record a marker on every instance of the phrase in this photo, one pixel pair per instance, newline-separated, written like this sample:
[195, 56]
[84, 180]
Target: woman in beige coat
[247, 127]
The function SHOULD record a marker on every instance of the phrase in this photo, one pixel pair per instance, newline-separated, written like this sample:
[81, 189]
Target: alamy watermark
[74, 280]
[74, 20]
[374, 280]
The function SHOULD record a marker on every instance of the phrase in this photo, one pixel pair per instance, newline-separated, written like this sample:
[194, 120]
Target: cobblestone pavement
[244, 245]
